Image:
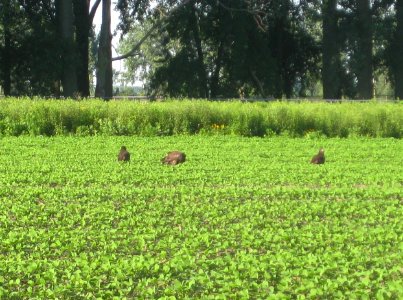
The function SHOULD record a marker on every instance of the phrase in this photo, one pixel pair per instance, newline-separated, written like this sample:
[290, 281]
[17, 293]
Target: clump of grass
[176, 117]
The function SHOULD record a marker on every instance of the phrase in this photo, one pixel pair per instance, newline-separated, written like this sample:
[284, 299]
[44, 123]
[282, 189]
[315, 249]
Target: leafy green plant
[241, 218]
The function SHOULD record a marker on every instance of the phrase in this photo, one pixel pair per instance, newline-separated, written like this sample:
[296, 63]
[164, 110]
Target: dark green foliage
[231, 49]
[211, 49]
[396, 52]
[258, 48]
[29, 58]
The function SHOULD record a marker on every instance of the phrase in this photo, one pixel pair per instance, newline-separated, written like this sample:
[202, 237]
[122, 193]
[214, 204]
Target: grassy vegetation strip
[94, 117]
[242, 218]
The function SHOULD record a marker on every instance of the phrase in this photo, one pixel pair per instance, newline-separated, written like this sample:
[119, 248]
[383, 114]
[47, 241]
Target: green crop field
[241, 218]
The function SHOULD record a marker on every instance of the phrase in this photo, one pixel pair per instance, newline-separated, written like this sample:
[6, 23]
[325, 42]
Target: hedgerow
[125, 117]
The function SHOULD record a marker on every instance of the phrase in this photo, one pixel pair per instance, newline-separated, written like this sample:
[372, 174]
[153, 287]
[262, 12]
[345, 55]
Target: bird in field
[319, 158]
[123, 155]
[174, 158]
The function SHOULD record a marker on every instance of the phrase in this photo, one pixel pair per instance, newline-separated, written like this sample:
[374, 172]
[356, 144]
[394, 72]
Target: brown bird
[319, 158]
[123, 155]
[174, 158]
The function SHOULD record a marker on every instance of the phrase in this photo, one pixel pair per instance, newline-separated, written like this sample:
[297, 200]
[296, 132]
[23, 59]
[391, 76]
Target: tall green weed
[173, 117]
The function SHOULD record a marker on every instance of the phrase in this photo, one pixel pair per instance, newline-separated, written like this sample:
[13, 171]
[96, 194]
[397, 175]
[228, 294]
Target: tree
[330, 51]
[232, 48]
[201, 69]
[83, 19]
[364, 50]
[65, 20]
[185, 14]
[128, 9]
[6, 56]
[29, 47]
[292, 45]
[104, 87]
[38, 48]
[210, 48]
[397, 52]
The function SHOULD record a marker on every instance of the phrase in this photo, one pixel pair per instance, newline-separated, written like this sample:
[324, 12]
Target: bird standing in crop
[123, 155]
[174, 158]
[319, 158]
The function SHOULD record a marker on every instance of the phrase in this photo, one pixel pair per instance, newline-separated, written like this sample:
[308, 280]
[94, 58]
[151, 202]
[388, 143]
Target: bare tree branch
[260, 23]
[94, 10]
[257, 81]
[135, 48]
[133, 51]
[250, 11]
[254, 12]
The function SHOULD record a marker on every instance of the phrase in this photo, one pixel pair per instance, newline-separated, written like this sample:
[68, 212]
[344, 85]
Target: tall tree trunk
[288, 85]
[7, 62]
[83, 24]
[398, 52]
[6, 57]
[330, 52]
[364, 55]
[104, 66]
[215, 78]
[69, 78]
[278, 54]
[218, 62]
[200, 56]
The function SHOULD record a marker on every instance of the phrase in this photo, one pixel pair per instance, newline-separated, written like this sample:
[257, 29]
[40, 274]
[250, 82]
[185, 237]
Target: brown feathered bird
[123, 155]
[319, 158]
[174, 158]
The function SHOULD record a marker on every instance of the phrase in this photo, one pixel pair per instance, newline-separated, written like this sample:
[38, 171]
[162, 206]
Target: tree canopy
[205, 49]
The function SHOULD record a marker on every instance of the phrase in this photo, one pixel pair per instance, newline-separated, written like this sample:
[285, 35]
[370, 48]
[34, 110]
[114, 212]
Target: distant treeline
[204, 49]
[128, 117]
